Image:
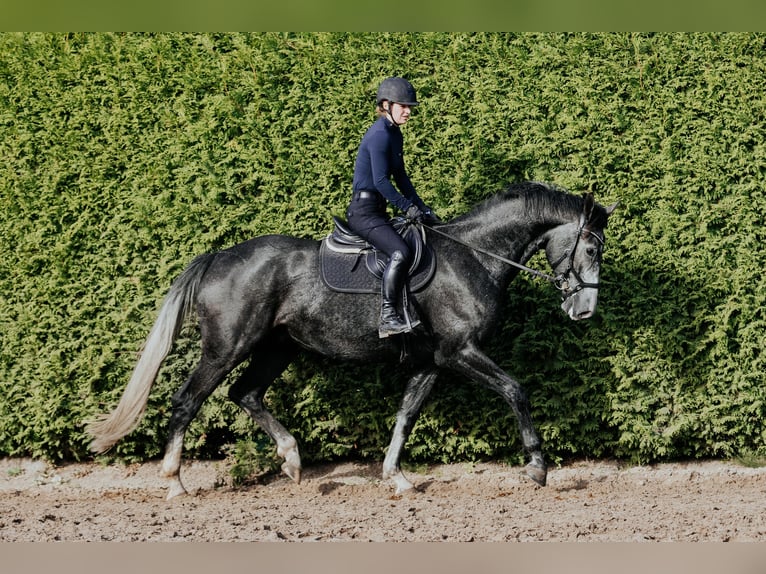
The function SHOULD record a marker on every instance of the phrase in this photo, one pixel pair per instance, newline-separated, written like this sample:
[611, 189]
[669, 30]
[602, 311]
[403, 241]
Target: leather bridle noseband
[560, 281]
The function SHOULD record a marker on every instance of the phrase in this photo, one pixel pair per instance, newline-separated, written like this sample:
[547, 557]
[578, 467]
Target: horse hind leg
[266, 364]
[186, 402]
[417, 390]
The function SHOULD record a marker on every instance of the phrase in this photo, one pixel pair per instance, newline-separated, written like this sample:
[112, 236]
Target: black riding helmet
[397, 91]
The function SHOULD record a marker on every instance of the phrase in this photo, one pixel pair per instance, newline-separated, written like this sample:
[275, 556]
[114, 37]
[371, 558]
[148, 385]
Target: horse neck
[508, 232]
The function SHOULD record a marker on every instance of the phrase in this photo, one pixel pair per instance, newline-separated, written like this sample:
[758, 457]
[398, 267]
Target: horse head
[574, 251]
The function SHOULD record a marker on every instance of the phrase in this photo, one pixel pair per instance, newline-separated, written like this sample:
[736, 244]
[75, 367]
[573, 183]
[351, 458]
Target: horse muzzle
[580, 302]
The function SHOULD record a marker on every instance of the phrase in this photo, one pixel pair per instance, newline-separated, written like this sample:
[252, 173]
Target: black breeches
[369, 219]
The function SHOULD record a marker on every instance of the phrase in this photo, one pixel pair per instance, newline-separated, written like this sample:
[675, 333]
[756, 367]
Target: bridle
[560, 281]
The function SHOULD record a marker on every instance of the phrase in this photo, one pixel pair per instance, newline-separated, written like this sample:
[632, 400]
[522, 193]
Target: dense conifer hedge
[125, 155]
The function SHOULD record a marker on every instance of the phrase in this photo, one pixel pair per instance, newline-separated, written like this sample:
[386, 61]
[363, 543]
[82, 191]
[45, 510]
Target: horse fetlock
[284, 446]
[170, 470]
[293, 471]
[397, 477]
[390, 467]
[292, 465]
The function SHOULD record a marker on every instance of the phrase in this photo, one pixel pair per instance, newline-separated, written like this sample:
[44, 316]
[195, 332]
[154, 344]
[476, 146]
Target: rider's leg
[391, 323]
[369, 219]
[387, 240]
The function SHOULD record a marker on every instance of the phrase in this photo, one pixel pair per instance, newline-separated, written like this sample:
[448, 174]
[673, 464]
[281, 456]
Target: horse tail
[179, 303]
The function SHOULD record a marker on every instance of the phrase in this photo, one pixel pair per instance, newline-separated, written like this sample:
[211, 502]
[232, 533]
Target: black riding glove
[413, 213]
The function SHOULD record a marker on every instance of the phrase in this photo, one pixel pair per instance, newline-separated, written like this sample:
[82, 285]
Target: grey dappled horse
[264, 300]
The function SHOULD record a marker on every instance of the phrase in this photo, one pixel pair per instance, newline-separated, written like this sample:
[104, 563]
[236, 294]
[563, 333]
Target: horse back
[261, 270]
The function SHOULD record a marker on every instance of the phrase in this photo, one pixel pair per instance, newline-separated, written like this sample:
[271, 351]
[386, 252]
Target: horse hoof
[537, 473]
[292, 471]
[176, 489]
[402, 484]
[402, 488]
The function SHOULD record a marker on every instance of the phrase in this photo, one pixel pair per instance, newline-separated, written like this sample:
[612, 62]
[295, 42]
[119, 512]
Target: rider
[380, 158]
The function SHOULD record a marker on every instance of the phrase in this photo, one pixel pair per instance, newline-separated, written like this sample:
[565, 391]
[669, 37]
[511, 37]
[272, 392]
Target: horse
[263, 300]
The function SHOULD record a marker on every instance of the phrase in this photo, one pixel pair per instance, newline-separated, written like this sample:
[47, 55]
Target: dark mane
[542, 200]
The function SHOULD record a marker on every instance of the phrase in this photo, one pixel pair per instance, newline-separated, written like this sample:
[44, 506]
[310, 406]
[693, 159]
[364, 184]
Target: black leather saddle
[351, 265]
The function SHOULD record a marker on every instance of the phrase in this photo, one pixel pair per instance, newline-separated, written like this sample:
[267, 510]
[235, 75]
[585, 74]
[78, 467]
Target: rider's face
[400, 113]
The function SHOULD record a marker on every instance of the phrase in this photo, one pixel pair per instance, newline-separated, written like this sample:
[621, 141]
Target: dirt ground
[586, 501]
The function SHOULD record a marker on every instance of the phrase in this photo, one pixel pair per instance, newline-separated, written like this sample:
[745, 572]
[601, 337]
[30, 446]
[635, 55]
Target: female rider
[379, 160]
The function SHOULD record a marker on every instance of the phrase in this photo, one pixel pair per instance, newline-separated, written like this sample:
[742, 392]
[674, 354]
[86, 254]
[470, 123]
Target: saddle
[350, 264]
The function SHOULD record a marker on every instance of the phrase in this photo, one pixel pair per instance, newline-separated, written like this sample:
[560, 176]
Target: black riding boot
[391, 323]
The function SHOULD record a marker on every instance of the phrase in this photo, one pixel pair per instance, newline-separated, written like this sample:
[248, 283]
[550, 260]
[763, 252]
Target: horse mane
[541, 200]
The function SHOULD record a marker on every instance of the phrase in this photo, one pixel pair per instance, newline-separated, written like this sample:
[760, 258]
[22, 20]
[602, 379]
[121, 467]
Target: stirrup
[396, 325]
[391, 323]
[391, 327]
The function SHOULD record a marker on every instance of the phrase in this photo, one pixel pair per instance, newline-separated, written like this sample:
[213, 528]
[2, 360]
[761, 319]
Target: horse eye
[591, 251]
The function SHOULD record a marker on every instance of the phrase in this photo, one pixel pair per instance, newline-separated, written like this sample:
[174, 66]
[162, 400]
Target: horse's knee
[514, 394]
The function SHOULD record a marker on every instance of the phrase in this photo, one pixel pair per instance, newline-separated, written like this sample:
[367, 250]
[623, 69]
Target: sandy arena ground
[488, 502]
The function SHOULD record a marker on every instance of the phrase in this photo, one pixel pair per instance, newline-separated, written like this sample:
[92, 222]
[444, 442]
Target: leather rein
[561, 281]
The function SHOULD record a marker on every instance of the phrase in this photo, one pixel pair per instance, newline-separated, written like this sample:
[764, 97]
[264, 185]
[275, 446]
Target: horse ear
[610, 210]
[588, 205]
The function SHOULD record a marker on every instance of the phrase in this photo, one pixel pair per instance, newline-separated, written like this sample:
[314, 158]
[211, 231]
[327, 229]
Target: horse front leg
[474, 364]
[415, 393]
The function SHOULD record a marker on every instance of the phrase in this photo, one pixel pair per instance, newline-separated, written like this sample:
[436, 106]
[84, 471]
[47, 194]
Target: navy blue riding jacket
[380, 158]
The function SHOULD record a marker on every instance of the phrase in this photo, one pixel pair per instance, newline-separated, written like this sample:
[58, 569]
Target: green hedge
[125, 155]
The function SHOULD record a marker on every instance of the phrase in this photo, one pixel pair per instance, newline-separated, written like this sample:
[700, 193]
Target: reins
[516, 264]
[561, 282]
